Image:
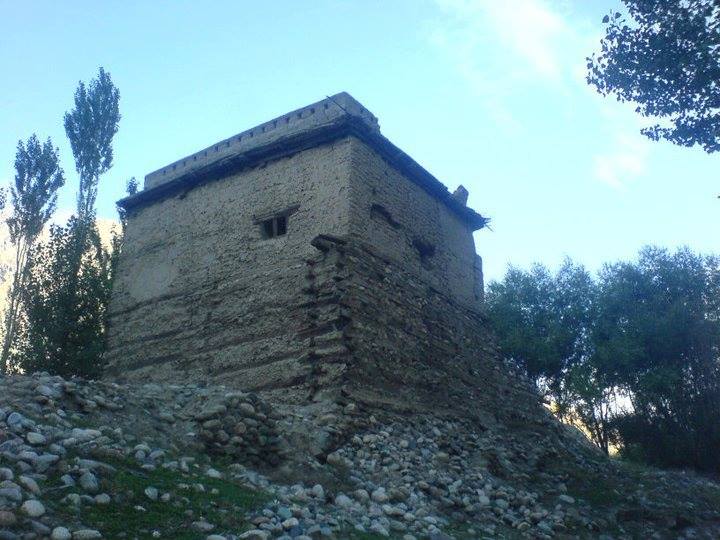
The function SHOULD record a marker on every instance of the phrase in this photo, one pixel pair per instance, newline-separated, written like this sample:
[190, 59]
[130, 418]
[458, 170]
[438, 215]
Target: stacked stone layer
[375, 290]
[242, 427]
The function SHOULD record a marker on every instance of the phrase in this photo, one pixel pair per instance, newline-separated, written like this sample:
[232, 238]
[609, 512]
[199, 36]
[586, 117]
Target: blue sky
[483, 93]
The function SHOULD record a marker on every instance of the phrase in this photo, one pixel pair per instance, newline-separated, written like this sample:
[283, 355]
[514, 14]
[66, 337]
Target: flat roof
[327, 120]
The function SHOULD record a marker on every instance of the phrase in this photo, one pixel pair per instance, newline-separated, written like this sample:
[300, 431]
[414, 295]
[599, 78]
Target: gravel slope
[87, 459]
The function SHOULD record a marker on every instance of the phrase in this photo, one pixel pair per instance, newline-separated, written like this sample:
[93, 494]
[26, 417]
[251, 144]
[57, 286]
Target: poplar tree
[91, 126]
[70, 276]
[38, 176]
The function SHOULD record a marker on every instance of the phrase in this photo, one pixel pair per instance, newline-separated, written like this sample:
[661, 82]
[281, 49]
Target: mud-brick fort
[306, 257]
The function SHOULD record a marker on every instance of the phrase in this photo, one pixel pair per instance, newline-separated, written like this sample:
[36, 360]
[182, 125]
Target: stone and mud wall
[407, 225]
[385, 337]
[374, 293]
[202, 295]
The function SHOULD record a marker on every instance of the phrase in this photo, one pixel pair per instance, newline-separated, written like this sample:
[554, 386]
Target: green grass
[711, 495]
[357, 535]
[459, 531]
[594, 489]
[225, 509]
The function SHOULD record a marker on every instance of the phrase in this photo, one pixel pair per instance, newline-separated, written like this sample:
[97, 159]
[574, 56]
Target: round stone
[86, 534]
[72, 498]
[103, 498]
[202, 526]
[343, 501]
[11, 491]
[15, 419]
[213, 473]
[30, 484]
[7, 518]
[35, 438]
[60, 533]
[247, 409]
[88, 481]
[67, 480]
[33, 508]
[255, 534]
[284, 513]
[361, 495]
[380, 496]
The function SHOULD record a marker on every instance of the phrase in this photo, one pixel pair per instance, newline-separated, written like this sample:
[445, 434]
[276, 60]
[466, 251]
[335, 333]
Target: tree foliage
[63, 330]
[540, 320]
[664, 56]
[38, 176]
[658, 335]
[634, 355]
[69, 277]
[91, 126]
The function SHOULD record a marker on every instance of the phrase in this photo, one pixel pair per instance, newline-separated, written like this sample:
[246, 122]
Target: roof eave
[292, 144]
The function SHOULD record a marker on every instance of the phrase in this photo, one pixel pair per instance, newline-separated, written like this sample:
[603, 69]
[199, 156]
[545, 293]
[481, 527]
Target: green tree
[91, 126]
[590, 402]
[64, 306]
[131, 188]
[632, 356]
[658, 336]
[542, 321]
[664, 57]
[70, 276]
[38, 176]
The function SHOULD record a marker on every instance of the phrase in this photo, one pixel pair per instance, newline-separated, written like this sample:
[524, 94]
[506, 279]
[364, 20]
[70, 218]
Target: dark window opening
[381, 212]
[274, 227]
[425, 249]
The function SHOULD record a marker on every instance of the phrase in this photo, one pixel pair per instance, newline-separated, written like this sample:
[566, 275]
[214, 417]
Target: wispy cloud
[509, 50]
[623, 152]
[529, 28]
[521, 37]
[624, 162]
[500, 46]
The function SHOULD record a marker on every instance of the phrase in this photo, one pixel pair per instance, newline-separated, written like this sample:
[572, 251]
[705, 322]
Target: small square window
[281, 225]
[268, 228]
[274, 227]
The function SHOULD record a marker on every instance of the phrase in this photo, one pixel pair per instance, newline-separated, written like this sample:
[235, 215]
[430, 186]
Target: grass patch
[459, 531]
[352, 534]
[222, 503]
[594, 489]
[711, 494]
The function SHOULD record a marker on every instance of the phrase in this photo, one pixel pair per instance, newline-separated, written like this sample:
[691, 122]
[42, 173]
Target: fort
[297, 343]
[306, 257]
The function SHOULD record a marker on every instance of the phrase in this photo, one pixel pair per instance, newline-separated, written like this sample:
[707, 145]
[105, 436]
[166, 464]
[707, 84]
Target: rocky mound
[84, 459]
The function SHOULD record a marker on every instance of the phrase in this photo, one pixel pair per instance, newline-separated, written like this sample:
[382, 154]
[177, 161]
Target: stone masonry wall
[406, 345]
[201, 295]
[409, 226]
[372, 295]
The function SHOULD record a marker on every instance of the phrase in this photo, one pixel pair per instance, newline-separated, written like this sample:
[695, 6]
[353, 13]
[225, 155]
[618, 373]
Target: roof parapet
[327, 120]
[313, 116]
